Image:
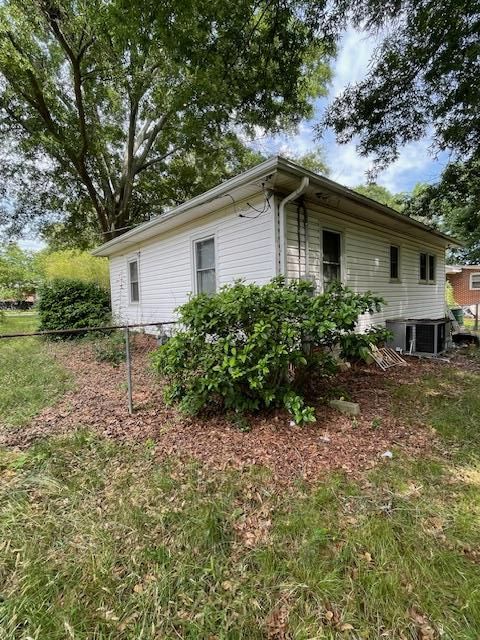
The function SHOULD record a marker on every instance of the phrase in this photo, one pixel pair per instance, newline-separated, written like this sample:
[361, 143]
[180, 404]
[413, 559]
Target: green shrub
[72, 304]
[356, 346]
[248, 346]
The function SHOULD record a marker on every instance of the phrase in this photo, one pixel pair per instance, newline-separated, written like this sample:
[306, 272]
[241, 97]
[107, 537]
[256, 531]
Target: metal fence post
[128, 363]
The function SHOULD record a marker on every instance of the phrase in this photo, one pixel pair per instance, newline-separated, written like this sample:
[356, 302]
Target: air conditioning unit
[419, 337]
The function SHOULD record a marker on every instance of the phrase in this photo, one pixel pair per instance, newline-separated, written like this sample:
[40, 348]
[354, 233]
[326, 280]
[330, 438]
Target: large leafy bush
[249, 346]
[72, 304]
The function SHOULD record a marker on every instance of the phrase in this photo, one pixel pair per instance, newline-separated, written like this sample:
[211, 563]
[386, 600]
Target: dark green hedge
[72, 304]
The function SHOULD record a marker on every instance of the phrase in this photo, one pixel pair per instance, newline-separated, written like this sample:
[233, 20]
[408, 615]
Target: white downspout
[282, 222]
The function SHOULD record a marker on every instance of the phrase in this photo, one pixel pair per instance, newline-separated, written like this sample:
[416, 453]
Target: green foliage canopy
[74, 265]
[453, 205]
[423, 77]
[112, 111]
[19, 275]
[382, 195]
[241, 345]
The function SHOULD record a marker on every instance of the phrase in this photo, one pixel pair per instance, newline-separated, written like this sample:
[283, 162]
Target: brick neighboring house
[465, 281]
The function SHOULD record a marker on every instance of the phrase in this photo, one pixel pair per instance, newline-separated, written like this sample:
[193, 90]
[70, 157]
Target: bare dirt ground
[334, 442]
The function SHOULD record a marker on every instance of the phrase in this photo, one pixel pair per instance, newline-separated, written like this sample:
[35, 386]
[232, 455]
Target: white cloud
[351, 65]
[415, 164]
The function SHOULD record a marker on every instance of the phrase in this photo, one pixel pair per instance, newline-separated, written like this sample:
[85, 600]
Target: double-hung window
[394, 262]
[427, 268]
[133, 280]
[475, 281]
[332, 257]
[205, 274]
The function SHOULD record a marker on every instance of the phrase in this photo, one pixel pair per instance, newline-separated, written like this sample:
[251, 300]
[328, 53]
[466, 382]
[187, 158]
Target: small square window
[394, 262]
[133, 281]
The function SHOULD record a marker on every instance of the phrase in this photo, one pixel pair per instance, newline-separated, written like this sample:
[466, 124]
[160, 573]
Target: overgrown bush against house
[248, 346]
[72, 304]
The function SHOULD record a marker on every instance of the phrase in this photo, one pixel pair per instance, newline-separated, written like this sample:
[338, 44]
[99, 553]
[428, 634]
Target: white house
[277, 218]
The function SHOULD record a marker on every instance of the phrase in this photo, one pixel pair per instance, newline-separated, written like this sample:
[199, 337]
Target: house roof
[282, 176]
[458, 268]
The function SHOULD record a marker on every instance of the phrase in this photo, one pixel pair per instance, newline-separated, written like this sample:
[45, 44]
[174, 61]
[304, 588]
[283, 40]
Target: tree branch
[153, 161]
[75, 61]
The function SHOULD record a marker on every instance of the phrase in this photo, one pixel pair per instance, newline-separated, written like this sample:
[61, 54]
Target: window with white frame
[133, 280]
[475, 281]
[427, 268]
[332, 256]
[205, 274]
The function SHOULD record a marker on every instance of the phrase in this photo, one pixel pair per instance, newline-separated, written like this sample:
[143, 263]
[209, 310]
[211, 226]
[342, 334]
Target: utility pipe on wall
[282, 222]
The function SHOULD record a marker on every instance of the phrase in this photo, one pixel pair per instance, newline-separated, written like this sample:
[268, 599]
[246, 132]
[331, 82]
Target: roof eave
[254, 173]
[269, 166]
[361, 199]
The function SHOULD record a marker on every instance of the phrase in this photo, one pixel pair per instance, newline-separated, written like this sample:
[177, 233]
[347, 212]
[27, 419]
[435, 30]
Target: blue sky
[416, 162]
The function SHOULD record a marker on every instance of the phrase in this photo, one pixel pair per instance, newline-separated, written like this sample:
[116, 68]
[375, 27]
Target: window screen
[133, 278]
[205, 266]
[394, 262]
[331, 257]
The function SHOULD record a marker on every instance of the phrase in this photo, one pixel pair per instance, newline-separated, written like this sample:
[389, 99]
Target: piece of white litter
[293, 423]
[387, 454]
[325, 438]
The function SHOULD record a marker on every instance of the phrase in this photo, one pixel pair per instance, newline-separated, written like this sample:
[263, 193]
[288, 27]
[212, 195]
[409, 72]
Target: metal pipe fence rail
[121, 350]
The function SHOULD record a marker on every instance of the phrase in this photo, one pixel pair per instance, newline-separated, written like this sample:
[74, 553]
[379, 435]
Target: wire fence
[125, 347]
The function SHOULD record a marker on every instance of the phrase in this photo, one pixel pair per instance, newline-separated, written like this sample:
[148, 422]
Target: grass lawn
[469, 323]
[29, 376]
[99, 539]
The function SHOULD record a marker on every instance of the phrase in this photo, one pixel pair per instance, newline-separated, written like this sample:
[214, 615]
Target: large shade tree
[382, 194]
[423, 78]
[112, 111]
[19, 275]
[453, 205]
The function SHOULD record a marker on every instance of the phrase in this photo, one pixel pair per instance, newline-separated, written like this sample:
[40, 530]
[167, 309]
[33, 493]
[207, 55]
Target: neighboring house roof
[458, 268]
[280, 175]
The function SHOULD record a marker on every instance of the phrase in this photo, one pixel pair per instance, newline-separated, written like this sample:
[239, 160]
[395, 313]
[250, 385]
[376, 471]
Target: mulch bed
[334, 442]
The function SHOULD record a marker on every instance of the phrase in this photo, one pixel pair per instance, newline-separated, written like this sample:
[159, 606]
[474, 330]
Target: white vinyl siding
[247, 247]
[366, 265]
[244, 248]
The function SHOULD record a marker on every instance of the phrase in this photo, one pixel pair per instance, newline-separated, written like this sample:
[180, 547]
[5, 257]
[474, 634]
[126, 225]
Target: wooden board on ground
[386, 357]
